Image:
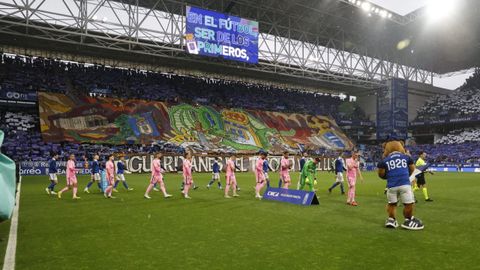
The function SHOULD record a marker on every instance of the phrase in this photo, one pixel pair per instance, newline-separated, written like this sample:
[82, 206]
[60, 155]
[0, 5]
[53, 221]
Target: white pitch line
[9, 261]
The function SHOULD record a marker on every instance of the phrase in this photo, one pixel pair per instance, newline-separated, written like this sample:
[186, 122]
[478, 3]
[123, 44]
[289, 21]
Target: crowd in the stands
[460, 136]
[461, 103]
[40, 74]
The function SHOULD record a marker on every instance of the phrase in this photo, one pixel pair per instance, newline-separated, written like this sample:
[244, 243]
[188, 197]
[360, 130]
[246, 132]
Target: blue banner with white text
[215, 34]
[299, 197]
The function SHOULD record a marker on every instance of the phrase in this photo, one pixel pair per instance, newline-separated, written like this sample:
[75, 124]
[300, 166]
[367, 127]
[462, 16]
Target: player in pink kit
[285, 166]
[260, 176]
[230, 175]
[353, 169]
[187, 174]
[71, 178]
[157, 177]
[110, 169]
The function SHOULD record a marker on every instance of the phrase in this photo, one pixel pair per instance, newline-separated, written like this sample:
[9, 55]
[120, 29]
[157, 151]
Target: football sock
[89, 184]
[99, 186]
[425, 193]
[211, 182]
[219, 184]
[341, 188]
[415, 187]
[52, 186]
[116, 184]
[334, 185]
[268, 183]
[279, 183]
[125, 184]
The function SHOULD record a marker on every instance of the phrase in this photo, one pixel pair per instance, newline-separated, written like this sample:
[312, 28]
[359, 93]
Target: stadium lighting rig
[434, 10]
[370, 8]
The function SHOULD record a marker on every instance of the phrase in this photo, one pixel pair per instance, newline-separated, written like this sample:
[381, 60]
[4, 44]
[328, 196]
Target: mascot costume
[396, 167]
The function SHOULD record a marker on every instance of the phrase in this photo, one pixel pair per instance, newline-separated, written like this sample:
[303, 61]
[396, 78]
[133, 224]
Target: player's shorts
[96, 176]
[155, 180]
[110, 180]
[71, 180]
[231, 180]
[187, 180]
[265, 174]
[285, 177]
[53, 176]
[339, 177]
[352, 180]
[404, 192]
[216, 175]
[260, 177]
[303, 180]
[420, 179]
[121, 177]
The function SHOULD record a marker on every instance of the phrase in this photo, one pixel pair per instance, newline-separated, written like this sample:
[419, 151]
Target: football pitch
[211, 232]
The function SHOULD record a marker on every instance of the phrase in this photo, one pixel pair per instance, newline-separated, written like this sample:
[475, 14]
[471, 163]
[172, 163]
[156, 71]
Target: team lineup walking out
[397, 168]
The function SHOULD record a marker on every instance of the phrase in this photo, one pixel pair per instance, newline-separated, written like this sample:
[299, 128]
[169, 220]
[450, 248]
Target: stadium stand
[465, 101]
[21, 73]
[41, 74]
[460, 136]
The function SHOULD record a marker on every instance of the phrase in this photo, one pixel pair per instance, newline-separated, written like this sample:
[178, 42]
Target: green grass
[210, 232]
[4, 229]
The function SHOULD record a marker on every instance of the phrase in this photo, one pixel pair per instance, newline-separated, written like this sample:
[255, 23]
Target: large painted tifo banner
[215, 34]
[199, 128]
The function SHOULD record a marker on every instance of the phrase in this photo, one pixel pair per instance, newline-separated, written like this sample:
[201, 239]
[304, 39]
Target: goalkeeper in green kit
[307, 176]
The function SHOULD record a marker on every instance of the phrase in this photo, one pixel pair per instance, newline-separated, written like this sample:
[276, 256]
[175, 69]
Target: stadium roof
[363, 48]
[403, 7]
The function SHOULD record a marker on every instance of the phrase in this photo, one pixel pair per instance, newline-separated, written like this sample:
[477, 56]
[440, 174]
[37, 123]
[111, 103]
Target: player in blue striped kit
[339, 169]
[52, 173]
[95, 174]
[266, 168]
[215, 174]
[121, 175]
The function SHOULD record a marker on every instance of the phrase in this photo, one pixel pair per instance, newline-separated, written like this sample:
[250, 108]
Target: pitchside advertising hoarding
[215, 34]
[18, 98]
[142, 164]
